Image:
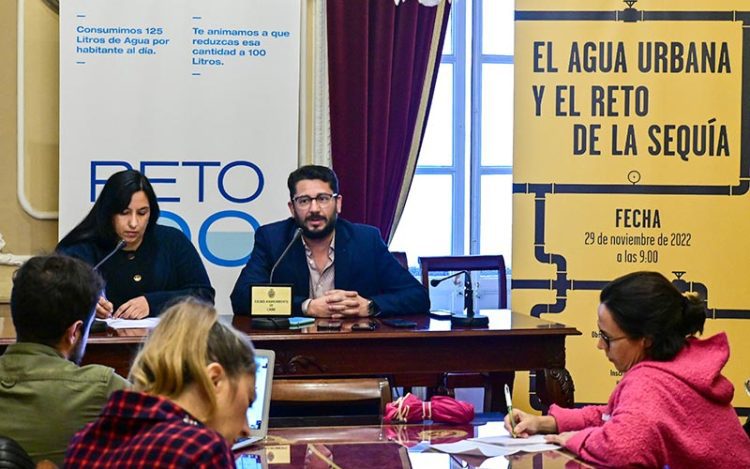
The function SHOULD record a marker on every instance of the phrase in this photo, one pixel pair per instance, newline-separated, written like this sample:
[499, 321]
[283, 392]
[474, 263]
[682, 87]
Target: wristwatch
[372, 309]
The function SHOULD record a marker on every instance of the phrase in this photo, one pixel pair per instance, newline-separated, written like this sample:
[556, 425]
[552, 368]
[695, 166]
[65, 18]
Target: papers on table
[147, 323]
[474, 448]
[507, 440]
[492, 446]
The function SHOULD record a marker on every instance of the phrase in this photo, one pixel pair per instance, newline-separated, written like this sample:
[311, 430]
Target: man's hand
[137, 308]
[339, 304]
[104, 308]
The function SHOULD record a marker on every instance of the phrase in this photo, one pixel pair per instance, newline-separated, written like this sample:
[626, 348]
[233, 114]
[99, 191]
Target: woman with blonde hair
[192, 383]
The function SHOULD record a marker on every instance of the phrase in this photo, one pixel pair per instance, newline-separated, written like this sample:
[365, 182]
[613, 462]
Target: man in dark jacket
[338, 268]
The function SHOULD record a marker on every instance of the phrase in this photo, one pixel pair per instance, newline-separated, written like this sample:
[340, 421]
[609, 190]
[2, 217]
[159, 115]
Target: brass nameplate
[271, 300]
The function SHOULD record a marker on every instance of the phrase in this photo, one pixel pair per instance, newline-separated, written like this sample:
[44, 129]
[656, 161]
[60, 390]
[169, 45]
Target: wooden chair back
[470, 263]
[322, 401]
[496, 263]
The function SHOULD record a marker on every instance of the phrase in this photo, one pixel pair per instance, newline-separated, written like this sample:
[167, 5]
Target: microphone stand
[274, 322]
[97, 325]
[467, 318]
[119, 246]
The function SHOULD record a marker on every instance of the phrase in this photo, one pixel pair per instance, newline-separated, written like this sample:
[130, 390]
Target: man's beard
[323, 232]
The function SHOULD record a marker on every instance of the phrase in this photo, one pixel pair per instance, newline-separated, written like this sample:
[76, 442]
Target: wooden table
[361, 446]
[512, 342]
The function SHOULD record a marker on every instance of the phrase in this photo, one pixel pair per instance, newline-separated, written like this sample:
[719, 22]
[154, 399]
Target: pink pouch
[409, 409]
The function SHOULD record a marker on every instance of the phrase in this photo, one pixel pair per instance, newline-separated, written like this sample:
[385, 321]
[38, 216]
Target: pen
[510, 410]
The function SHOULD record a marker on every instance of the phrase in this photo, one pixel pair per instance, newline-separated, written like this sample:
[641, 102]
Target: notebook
[257, 413]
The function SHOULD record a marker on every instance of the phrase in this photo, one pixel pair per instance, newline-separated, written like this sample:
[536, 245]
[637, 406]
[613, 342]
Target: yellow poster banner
[630, 154]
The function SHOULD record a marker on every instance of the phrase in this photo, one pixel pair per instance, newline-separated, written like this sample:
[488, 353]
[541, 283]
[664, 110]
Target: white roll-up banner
[201, 96]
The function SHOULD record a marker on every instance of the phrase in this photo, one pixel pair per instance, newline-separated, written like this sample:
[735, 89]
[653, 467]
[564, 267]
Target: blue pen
[510, 410]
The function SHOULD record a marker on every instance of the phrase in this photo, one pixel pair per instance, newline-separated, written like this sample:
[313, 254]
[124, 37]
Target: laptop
[253, 460]
[257, 413]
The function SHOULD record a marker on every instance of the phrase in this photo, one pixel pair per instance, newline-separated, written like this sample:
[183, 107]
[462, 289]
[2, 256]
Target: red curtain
[379, 56]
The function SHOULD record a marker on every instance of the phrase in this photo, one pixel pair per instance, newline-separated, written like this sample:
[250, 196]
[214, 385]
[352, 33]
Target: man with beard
[337, 268]
[45, 397]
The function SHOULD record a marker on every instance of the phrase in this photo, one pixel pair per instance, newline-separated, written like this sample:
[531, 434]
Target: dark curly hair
[646, 304]
[321, 173]
[49, 294]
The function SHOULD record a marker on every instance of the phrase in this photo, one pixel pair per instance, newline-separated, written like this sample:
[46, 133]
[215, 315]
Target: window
[461, 198]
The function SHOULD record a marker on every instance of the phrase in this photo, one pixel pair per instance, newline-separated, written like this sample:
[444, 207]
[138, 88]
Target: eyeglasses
[607, 339]
[323, 200]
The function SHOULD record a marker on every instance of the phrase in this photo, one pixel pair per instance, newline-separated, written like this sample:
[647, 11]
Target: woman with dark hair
[673, 407]
[155, 264]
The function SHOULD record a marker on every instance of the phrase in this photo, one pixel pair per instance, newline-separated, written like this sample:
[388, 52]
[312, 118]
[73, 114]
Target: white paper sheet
[507, 440]
[474, 448]
[147, 323]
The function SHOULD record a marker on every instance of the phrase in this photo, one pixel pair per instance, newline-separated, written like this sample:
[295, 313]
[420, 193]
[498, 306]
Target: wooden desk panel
[513, 342]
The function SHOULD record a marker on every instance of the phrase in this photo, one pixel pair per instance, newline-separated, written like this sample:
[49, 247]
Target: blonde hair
[188, 338]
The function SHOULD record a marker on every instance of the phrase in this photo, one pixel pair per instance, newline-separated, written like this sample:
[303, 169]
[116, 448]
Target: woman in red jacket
[673, 407]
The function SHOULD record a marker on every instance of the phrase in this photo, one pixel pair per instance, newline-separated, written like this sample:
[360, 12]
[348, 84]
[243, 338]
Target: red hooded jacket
[674, 414]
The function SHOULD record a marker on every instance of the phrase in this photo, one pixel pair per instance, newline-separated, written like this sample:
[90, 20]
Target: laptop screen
[255, 411]
[250, 461]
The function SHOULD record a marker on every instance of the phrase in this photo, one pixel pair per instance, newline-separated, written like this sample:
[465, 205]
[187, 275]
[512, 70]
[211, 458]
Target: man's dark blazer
[362, 263]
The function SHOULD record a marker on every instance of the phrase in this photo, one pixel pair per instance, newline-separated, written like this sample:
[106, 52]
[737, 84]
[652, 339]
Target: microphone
[297, 234]
[98, 325]
[275, 322]
[437, 281]
[468, 318]
[119, 246]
